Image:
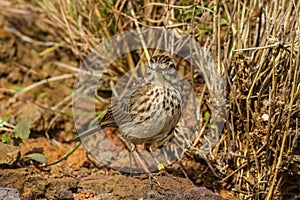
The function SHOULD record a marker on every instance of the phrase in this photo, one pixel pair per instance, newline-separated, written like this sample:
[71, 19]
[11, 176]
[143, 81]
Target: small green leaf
[43, 94]
[224, 21]
[22, 129]
[211, 9]
[37, 157]
[17, 87]
[207, 115]
[5, 138]
[212, 126]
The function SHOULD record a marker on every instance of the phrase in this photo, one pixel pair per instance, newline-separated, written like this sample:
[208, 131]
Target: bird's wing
[123, 111]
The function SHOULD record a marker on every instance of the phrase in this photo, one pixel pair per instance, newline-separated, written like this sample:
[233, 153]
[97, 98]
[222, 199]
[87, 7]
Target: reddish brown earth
[78, 178]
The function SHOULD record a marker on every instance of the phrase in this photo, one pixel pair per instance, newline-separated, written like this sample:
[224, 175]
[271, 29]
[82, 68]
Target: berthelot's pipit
[150, 110]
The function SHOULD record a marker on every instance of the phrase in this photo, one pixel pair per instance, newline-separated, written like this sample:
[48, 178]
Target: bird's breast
[153, 115]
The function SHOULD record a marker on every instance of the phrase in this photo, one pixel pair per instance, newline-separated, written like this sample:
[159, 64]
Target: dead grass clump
[262, 128]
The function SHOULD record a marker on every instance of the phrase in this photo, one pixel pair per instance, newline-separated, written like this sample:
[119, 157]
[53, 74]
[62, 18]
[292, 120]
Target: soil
[78, 178]
[47, 106]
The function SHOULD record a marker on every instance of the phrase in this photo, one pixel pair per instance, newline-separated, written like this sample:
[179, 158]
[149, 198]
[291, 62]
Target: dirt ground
[47, 106]
[78, 178]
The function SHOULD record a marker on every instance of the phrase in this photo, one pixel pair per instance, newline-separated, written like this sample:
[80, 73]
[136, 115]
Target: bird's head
[161, 69]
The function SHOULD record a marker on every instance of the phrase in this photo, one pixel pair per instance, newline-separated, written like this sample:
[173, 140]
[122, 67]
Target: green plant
[14, 135]
[207, 117]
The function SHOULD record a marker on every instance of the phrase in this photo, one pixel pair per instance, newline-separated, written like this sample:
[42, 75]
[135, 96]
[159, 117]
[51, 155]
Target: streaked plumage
[149, 112]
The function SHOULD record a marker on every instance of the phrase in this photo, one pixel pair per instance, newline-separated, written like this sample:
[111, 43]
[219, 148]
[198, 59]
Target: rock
[200, 193]
[8, 154]
[9, 194]
[61, 188]
[34, 187]
[13, 178]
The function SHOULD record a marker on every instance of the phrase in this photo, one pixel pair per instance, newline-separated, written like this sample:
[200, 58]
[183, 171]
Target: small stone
[201, 193]
[8, 154]
[9, 194]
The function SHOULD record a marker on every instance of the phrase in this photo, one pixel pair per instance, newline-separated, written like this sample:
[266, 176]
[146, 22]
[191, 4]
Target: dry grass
[256, 47]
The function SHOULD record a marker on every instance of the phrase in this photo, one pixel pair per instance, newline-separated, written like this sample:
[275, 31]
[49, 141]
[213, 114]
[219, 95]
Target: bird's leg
[142, 162]
[159, 165]
[132, 148]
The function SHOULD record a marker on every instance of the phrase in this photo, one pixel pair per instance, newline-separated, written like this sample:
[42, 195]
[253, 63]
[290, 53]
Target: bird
[150, 110]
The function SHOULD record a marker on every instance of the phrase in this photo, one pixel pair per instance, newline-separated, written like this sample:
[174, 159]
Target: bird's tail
[86, 133]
